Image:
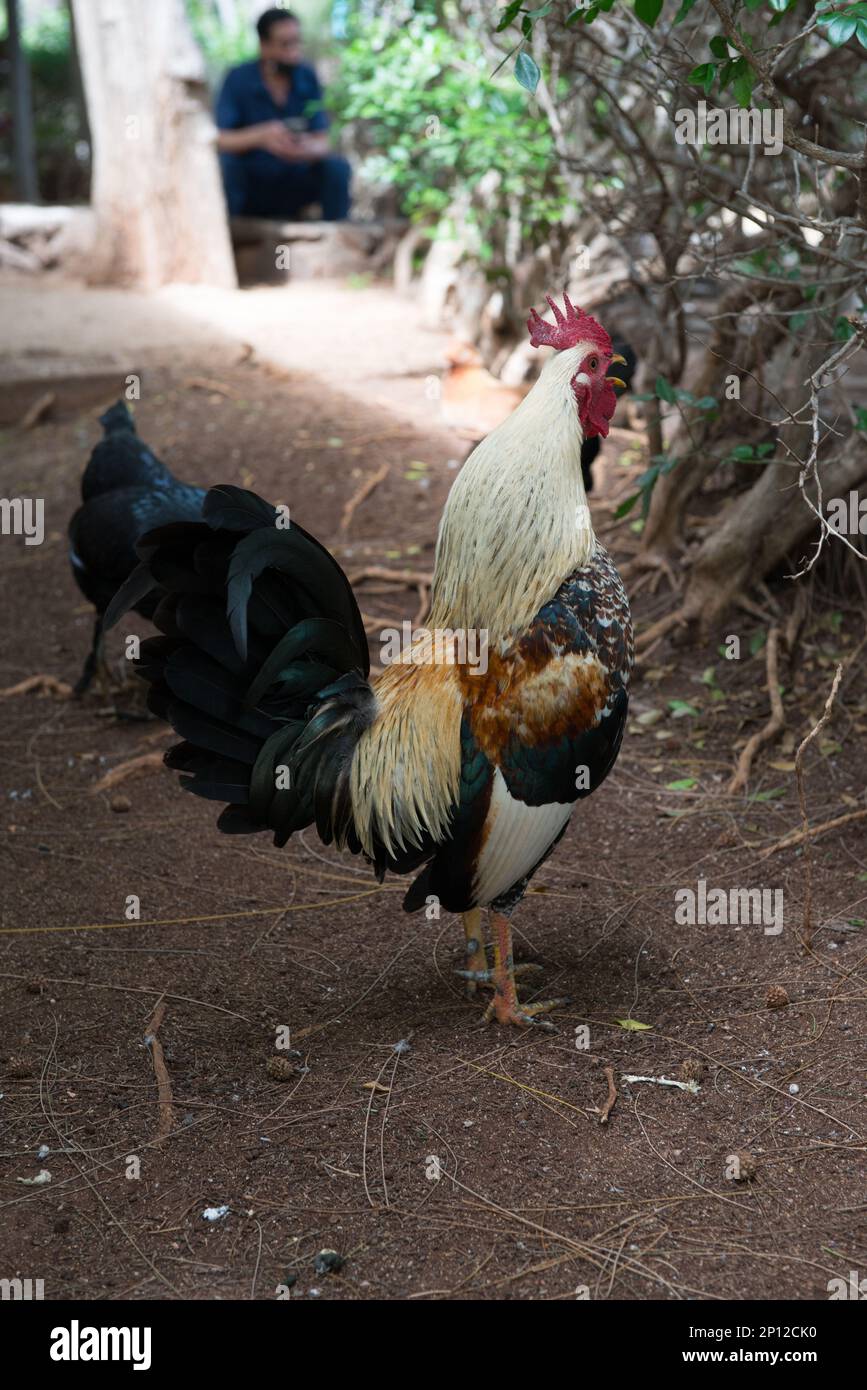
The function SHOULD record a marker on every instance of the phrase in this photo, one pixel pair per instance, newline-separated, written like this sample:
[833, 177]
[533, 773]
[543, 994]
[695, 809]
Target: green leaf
[798, 321]
[685, 784]
[632, 1025]
[839, 29]
[683, 11]
[626, 507]
[743, 87]
[664, 390]
[509, 14]
[527, 72]
[681, 708]
[648, 11]
[719, 47]
[703, 76]
[861, 32]
[773, 794]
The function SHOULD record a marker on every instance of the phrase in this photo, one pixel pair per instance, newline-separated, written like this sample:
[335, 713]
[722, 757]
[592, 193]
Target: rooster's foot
[505, 1006]
[522, 1015]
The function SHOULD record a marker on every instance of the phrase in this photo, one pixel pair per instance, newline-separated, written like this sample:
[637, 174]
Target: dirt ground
[468, 1162]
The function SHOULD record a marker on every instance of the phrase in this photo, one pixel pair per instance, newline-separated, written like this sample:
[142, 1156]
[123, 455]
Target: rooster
[465, 777]
[125, 491]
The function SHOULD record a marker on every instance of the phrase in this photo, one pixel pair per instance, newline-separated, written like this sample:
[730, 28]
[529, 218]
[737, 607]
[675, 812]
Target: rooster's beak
[617, 360]
[615, 381]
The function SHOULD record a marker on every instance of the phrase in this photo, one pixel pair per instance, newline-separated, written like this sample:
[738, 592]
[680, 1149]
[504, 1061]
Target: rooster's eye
[593, 364]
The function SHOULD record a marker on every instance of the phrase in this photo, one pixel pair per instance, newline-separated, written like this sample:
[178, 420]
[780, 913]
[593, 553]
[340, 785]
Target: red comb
[570, 328]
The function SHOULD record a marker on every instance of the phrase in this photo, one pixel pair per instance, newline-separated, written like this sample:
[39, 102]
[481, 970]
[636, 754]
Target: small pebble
[327, 1262]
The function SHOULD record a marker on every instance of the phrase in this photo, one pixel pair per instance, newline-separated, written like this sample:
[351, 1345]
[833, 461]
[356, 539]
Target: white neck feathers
[516, 521]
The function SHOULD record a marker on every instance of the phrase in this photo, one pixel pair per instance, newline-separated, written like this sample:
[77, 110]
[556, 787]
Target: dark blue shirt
[245, 100]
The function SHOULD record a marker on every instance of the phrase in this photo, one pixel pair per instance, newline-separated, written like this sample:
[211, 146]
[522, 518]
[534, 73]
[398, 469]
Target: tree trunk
[698, 447]
[156, 189]
[761, 528]
[26, 182]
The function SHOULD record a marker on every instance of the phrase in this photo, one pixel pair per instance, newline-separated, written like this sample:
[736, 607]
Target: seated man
[275, 156]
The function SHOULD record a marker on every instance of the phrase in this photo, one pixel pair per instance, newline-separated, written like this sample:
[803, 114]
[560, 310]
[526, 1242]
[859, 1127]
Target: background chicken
[469, 775]
[125, 491]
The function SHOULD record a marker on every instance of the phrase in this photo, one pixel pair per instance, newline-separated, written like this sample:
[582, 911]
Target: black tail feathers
[261, 667]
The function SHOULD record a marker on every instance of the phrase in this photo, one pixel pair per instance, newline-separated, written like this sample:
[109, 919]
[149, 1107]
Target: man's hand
[291, 146]
[277, 140]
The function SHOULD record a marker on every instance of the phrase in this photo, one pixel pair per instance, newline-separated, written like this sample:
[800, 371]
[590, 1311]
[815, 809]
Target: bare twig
[164, 1085]
[610, 1099]
[807, 931]
[775, 724]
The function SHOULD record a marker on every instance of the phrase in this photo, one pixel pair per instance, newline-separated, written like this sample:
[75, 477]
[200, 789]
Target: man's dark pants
[324, 181]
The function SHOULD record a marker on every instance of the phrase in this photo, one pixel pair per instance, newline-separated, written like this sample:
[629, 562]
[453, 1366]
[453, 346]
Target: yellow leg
[476, 959]
[504, 1006]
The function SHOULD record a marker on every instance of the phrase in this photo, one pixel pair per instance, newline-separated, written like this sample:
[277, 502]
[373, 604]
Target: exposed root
[125, 770]
[423, 606]
[652, 565]
[775, 724]
[35, 412]
[660, 628]
[39, 685]
[367, 487]
[401, 577]
[207, 383]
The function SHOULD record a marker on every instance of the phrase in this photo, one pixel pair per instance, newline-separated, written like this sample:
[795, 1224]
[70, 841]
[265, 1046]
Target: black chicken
[125, 492]
[590, 448]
